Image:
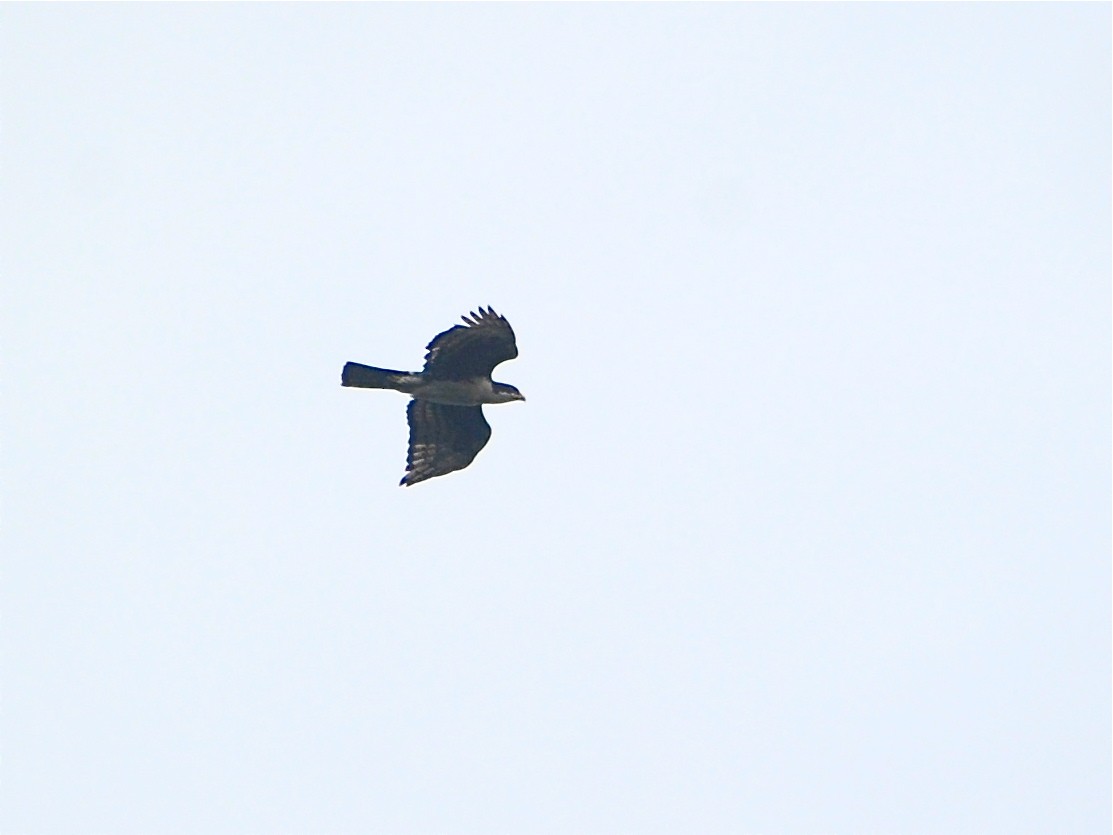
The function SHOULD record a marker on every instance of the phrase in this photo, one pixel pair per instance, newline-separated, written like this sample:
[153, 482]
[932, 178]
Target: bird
[445, 412]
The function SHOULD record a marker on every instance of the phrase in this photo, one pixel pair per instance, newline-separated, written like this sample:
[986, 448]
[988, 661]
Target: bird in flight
[447, 427]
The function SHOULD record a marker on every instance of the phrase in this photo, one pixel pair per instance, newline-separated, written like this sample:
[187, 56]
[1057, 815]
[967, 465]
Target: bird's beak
[521, 396]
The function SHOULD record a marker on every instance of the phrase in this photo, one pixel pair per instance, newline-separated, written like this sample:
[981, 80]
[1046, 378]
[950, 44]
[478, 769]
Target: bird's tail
[369, 377]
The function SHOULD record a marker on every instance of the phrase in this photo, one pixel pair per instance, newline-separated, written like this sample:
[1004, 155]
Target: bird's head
[506, 393]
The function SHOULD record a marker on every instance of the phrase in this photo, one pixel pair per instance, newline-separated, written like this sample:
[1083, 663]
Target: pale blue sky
[804, 528]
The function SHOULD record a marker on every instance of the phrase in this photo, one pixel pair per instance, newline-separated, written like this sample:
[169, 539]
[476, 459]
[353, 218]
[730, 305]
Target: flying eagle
[447, 427]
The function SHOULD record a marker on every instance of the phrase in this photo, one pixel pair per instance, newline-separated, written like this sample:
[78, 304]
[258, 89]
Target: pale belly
[454, 393]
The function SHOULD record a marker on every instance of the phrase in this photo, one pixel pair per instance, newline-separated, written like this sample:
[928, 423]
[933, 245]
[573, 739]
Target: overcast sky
[804, 528]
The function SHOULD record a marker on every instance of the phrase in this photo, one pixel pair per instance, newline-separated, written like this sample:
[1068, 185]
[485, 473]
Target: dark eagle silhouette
[447, 427]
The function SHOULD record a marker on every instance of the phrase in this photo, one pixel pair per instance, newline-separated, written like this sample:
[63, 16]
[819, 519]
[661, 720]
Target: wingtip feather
[477, 317]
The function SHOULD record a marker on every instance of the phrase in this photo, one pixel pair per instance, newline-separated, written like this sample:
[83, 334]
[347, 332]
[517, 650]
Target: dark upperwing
[464, 352]
[442, 438]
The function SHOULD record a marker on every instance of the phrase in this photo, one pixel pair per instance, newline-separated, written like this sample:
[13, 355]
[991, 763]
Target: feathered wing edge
[472, 349]
[443, 439]
[481, 317]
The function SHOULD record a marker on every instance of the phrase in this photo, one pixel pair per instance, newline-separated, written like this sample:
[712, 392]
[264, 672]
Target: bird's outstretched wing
[464, 352]
[442, 438]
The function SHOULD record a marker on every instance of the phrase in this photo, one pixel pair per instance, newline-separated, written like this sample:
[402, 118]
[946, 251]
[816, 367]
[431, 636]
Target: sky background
[804, 528]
